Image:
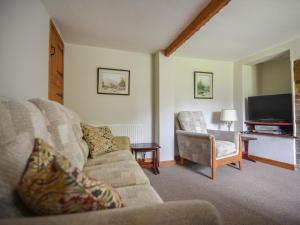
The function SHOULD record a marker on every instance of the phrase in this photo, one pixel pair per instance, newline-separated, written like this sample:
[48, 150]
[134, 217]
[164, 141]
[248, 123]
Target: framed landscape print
[203, 85]
[113, 81]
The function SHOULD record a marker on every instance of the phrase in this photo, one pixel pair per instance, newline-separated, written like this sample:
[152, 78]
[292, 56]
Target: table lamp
[228, 116]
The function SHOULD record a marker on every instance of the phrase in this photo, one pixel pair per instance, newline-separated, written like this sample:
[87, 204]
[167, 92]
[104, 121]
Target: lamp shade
[228, 115]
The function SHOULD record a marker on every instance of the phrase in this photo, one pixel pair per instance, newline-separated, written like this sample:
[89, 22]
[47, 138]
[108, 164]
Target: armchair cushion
[192, 121]
[230, 136]
[225, 148]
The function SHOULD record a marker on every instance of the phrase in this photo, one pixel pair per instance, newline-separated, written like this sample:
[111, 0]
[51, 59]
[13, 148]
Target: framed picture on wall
[113, 81]
[203, 85]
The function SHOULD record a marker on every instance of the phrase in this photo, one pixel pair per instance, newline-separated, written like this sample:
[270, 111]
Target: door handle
[52, 52]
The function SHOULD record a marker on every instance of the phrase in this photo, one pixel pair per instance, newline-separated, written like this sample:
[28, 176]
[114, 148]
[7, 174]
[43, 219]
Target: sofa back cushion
[192, 121]
[64, 127]
[20, 123]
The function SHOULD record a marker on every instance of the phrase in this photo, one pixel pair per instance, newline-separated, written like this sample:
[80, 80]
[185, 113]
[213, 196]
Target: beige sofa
[22, 121]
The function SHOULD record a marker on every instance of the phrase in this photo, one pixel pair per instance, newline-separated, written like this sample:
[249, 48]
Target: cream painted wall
[250, 84]
[165, 75]
[222, 88]
[24, 43]
[296, 49]
[175, 91]
[81, 63]
[274, 77]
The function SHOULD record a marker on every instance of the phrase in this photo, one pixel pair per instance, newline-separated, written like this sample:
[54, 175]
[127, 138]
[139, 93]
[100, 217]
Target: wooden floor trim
[274, 162]
[163, 164]
[167, 163]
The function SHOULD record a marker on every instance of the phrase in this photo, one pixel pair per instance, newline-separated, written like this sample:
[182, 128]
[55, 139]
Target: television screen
[271, 108]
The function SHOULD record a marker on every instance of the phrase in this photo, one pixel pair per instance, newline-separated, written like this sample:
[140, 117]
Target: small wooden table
[148, 147]
[246, 140]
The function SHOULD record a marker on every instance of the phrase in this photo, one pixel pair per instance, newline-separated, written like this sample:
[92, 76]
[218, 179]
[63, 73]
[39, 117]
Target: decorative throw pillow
[50, 185]
[99, 139]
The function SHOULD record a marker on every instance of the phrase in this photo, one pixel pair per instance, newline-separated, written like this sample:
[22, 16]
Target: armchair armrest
[192, 212]
[121, 143]
[194, 134]
[223, 135]
[196, 147]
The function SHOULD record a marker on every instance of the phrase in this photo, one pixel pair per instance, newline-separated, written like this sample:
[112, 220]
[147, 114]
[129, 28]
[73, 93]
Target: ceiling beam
[205, 15]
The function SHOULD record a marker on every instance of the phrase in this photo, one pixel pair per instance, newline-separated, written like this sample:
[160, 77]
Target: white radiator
[133, 131]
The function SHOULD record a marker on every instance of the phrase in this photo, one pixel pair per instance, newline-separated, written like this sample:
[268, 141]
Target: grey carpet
[260, 194]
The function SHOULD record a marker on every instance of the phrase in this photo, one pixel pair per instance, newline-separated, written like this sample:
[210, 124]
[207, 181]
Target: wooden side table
[246, 140]
[148, 147]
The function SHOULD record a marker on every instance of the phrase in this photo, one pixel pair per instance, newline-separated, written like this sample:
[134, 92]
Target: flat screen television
[270, 108]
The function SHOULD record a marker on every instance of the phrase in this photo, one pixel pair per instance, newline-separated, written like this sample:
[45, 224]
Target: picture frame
[203, 85]
[113, 81]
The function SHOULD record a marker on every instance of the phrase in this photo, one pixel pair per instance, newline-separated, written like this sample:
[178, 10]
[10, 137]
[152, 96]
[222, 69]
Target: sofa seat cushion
[225, 148]
[118, 174]
[139, 195]
[51, 185]
[61, 126]
[110, 157]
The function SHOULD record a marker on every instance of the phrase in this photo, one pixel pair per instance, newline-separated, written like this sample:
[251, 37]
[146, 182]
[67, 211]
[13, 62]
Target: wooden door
[56, 66]
[297, 77]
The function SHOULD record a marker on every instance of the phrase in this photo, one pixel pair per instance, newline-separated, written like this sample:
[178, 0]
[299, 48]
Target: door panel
[56, 66]
[297, 71]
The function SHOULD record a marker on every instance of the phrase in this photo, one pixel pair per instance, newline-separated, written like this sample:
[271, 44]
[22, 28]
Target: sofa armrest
[192, 212]
[121, 143]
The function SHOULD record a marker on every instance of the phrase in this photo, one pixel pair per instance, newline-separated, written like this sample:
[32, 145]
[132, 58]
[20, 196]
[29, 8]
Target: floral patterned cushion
[50, 185]
[99, 139]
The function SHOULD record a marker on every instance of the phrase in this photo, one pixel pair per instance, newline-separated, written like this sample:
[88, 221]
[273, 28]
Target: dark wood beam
[205, 15]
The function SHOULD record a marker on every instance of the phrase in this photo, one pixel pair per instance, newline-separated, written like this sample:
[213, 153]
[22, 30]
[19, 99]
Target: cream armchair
[207, 147]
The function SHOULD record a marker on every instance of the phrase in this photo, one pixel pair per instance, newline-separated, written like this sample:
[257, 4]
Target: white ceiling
[242, 28]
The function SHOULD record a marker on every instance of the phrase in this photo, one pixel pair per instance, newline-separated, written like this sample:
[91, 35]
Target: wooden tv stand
[287, 127]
